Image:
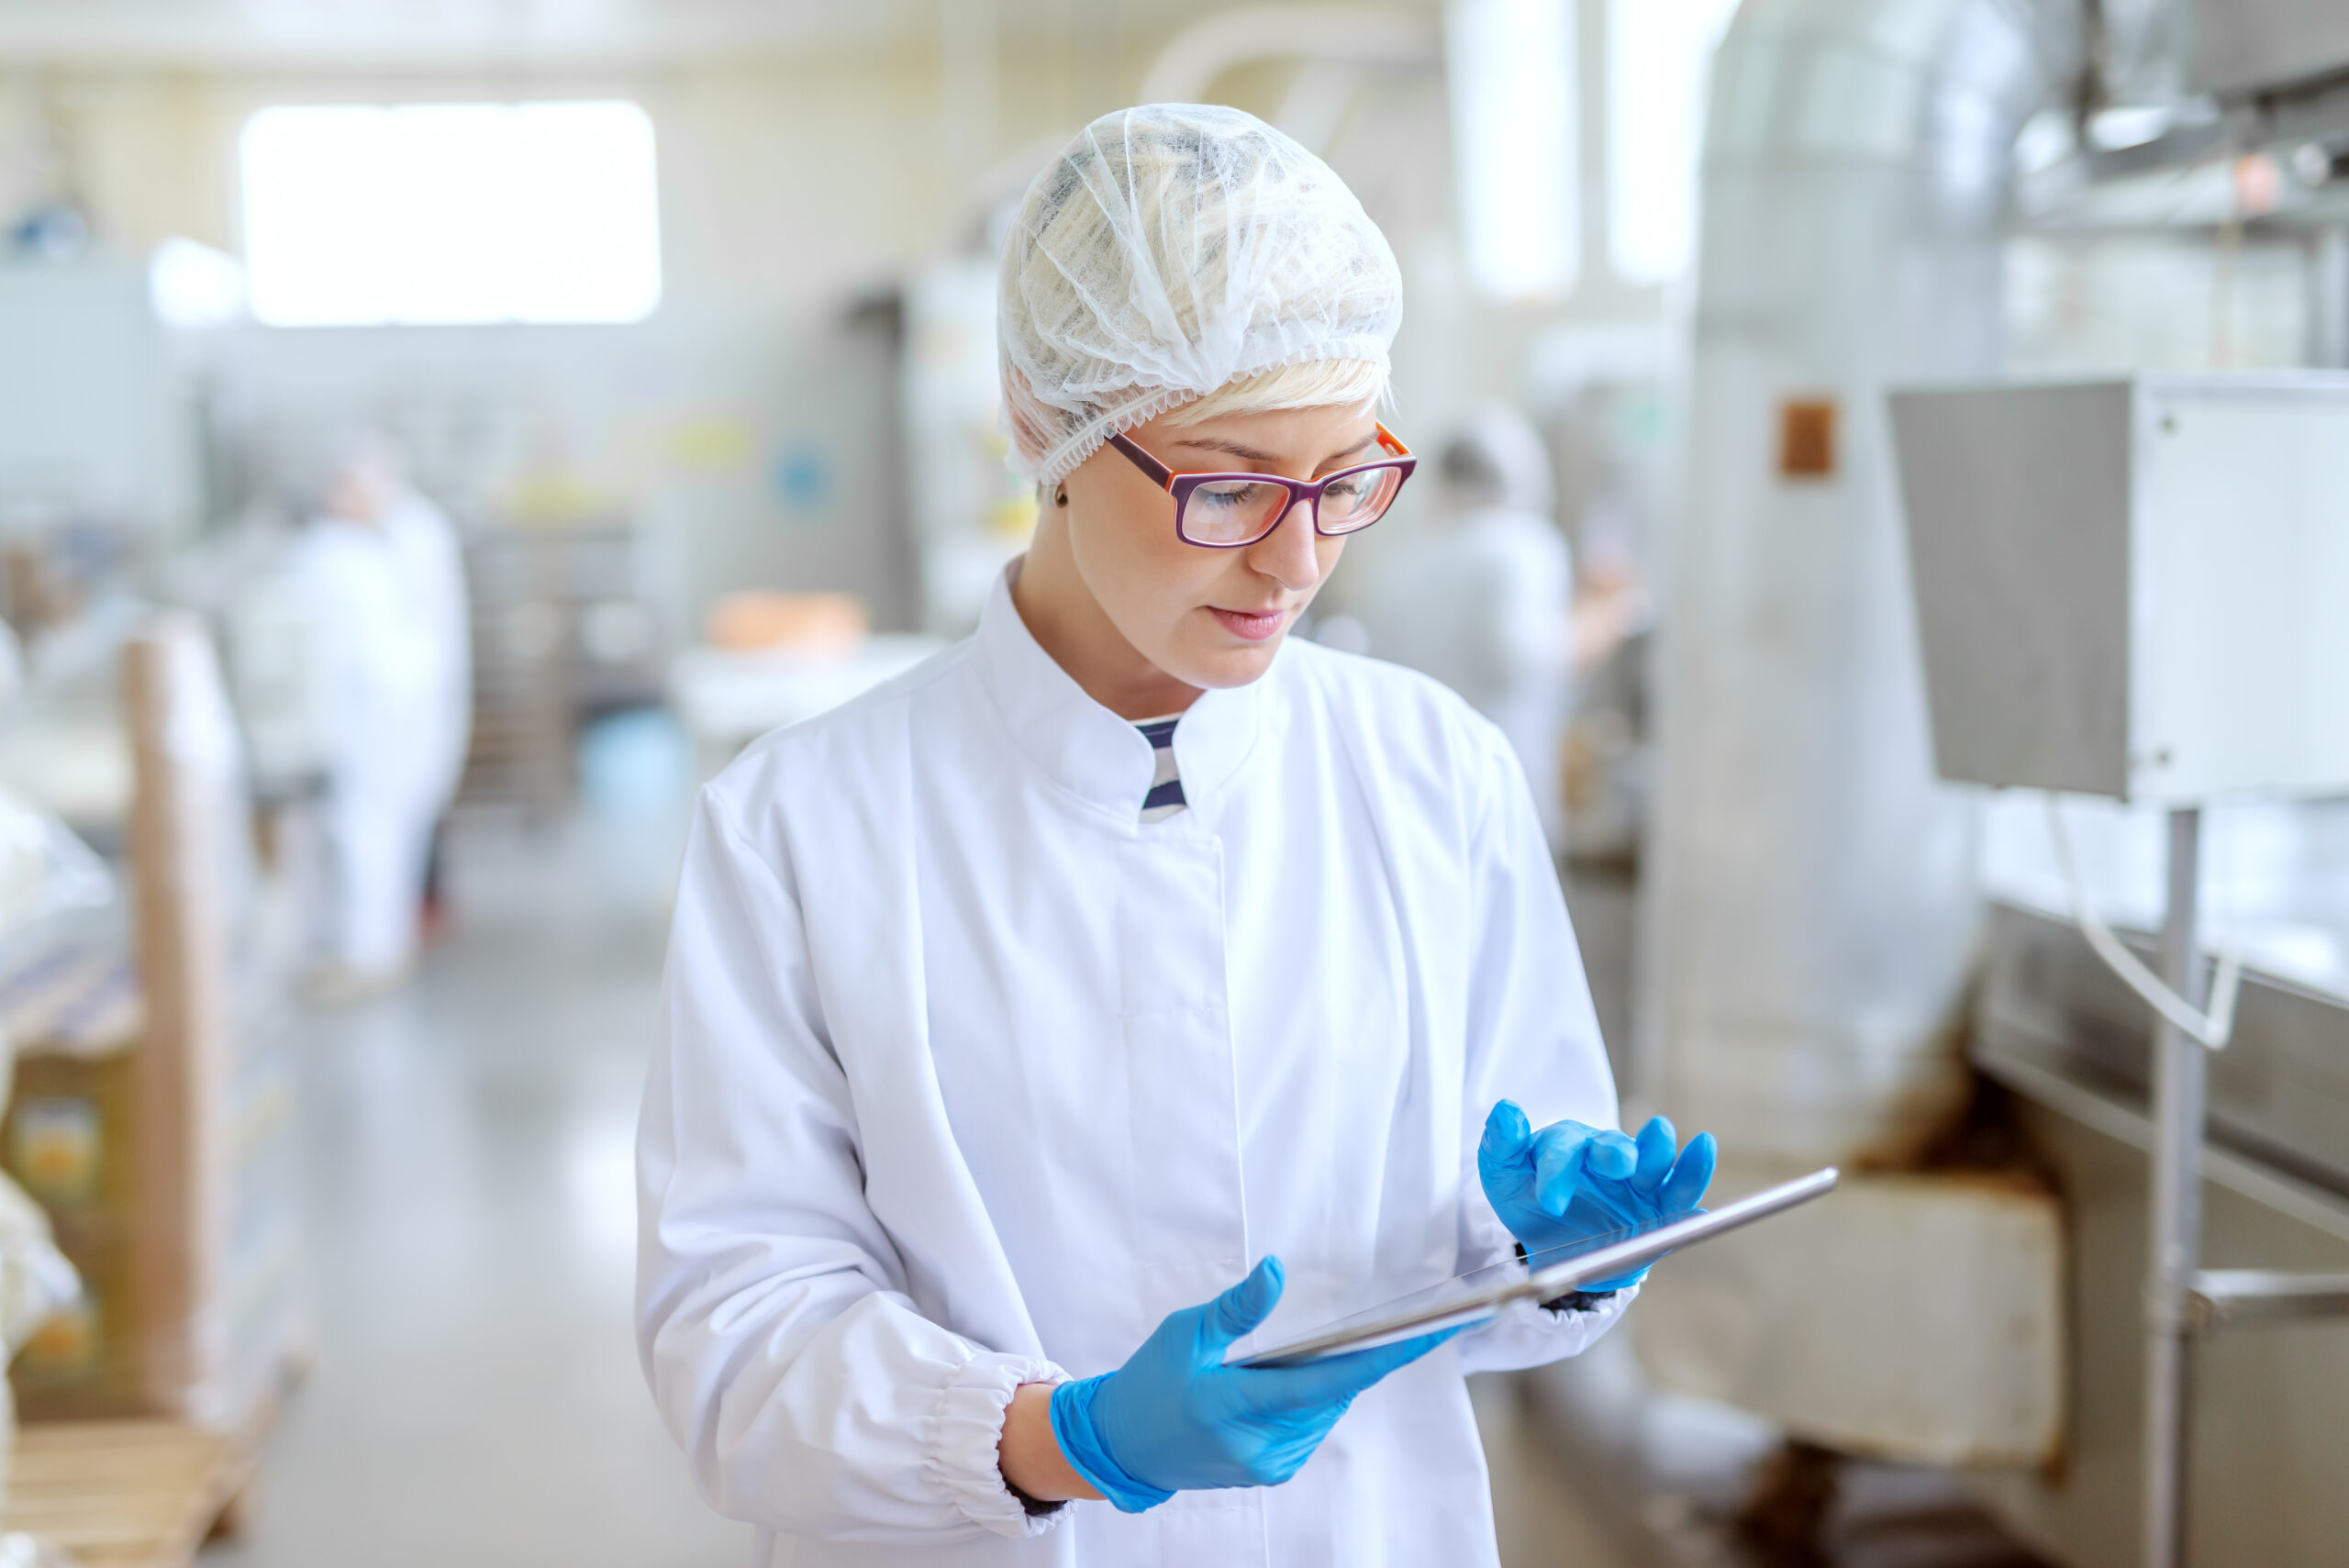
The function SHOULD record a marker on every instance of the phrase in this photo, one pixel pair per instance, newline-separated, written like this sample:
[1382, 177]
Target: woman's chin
[1219, 669]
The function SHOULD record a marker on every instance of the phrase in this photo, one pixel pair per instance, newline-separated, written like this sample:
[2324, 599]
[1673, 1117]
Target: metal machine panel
[2242, 44]
[2017, 507]
[2242, 588]
[2279, 1093]
[2133, 588]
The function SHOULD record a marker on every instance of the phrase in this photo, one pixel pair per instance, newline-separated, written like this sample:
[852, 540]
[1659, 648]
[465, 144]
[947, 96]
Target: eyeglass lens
[1239, 511]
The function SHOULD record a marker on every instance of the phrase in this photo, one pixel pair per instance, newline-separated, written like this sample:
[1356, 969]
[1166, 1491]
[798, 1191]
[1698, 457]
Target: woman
[1016, 1009]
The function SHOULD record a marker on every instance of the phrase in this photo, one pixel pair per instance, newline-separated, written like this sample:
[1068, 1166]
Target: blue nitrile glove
[1175, 1418]
[1568, 1181]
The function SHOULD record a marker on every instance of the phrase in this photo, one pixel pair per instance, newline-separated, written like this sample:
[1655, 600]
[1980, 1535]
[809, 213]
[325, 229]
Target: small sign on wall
[1807, 437]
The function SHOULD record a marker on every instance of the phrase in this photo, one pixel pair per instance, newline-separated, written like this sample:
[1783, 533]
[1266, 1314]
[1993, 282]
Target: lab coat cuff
[967, 1433]
[1585, 1321]
[1526, 1333]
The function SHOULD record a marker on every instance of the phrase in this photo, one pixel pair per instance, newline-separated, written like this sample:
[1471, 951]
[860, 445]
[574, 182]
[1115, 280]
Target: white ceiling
[440, 32]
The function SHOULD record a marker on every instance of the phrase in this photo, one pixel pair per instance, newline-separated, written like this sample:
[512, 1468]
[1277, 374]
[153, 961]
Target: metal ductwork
[1811, 910]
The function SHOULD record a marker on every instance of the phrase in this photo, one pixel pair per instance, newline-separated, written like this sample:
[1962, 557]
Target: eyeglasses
[1226, 511]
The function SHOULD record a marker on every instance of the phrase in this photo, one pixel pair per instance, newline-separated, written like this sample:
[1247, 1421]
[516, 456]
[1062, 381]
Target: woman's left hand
[1569, 1182]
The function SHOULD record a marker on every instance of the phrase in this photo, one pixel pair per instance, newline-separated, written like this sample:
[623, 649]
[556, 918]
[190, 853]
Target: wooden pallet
[126, 1494]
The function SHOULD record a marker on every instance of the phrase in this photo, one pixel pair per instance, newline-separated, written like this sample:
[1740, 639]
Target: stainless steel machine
[2133, 589]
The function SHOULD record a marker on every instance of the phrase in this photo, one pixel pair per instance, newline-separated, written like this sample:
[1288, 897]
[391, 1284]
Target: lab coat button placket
[1190, 1208]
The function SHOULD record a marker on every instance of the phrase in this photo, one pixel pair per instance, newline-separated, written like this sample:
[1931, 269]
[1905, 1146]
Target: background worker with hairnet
[1481, 598]
[1130, 982]
[385, 578]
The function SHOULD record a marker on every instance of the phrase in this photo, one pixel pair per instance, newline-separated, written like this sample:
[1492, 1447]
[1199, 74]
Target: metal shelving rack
[540, 594]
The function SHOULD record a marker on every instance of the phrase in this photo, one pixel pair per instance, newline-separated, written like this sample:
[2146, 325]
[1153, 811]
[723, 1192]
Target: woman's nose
[1286, 555]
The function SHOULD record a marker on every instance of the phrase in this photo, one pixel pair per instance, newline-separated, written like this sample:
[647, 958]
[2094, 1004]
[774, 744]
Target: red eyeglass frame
[1181, 485]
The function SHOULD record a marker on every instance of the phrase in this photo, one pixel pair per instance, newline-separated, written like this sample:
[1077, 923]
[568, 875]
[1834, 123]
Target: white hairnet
[1167, 250]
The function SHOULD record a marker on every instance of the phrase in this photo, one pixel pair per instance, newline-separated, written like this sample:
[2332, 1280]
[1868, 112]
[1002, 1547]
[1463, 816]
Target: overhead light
[1659, 59]
[452, 213]
[1510, 66]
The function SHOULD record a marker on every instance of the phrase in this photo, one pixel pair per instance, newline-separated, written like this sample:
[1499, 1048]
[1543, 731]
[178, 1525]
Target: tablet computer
[1474, 1297]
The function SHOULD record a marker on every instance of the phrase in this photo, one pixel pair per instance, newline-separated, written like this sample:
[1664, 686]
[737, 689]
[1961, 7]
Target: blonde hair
[1317, 383]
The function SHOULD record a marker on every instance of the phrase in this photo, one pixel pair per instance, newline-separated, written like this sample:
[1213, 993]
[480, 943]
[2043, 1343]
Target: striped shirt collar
[1165, 797]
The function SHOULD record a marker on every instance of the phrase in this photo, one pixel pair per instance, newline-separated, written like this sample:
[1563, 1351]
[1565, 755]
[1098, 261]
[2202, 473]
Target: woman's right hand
[1175, 1418]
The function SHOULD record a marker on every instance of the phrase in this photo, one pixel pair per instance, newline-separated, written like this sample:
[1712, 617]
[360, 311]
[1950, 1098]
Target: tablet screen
[1477, 1297]
[1459, 1301]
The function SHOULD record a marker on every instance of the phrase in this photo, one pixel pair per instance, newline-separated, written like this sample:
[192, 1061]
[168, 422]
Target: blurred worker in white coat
[1130, 983]
[1482, 598]
[385, 583]
[432, 561]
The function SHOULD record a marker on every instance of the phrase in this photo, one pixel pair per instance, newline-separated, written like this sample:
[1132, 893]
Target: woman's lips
[1255, 626]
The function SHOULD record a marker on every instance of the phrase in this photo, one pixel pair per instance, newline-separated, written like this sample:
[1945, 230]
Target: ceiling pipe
[1336, 43]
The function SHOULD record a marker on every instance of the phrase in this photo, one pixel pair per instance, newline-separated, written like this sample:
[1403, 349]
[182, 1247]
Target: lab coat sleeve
[1533, 1037]
[809, 1395]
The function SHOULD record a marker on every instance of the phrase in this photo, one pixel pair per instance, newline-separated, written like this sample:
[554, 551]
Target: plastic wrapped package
[67, 1139]
[62, 747]
[66, 980]
[152, 1108]
[36, 1282]
[45, 873]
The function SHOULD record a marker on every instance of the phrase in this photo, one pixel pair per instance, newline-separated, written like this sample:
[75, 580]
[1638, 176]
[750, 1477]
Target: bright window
[1659, 59]
[1514, 147]
[450, 214]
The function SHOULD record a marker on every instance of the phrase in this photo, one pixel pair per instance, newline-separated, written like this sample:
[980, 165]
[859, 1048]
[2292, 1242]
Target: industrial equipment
[2132, 589]
[88, 429]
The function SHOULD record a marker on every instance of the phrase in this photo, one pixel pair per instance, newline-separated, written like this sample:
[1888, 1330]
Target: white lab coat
[964, 1079]
[374, 643]
[432, 564]
[1482, 602]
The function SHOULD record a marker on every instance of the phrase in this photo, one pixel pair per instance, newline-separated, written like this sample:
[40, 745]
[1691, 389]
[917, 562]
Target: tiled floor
[476, 1399]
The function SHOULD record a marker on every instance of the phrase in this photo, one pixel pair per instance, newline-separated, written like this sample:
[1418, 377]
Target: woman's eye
[1229, 495]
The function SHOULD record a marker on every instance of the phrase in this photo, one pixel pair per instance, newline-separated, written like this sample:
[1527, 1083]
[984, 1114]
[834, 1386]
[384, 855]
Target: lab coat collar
[1088, 750]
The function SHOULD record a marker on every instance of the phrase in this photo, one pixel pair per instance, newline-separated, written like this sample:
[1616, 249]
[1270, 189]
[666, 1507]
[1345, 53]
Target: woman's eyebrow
[1230, 449]
[1250, 454]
